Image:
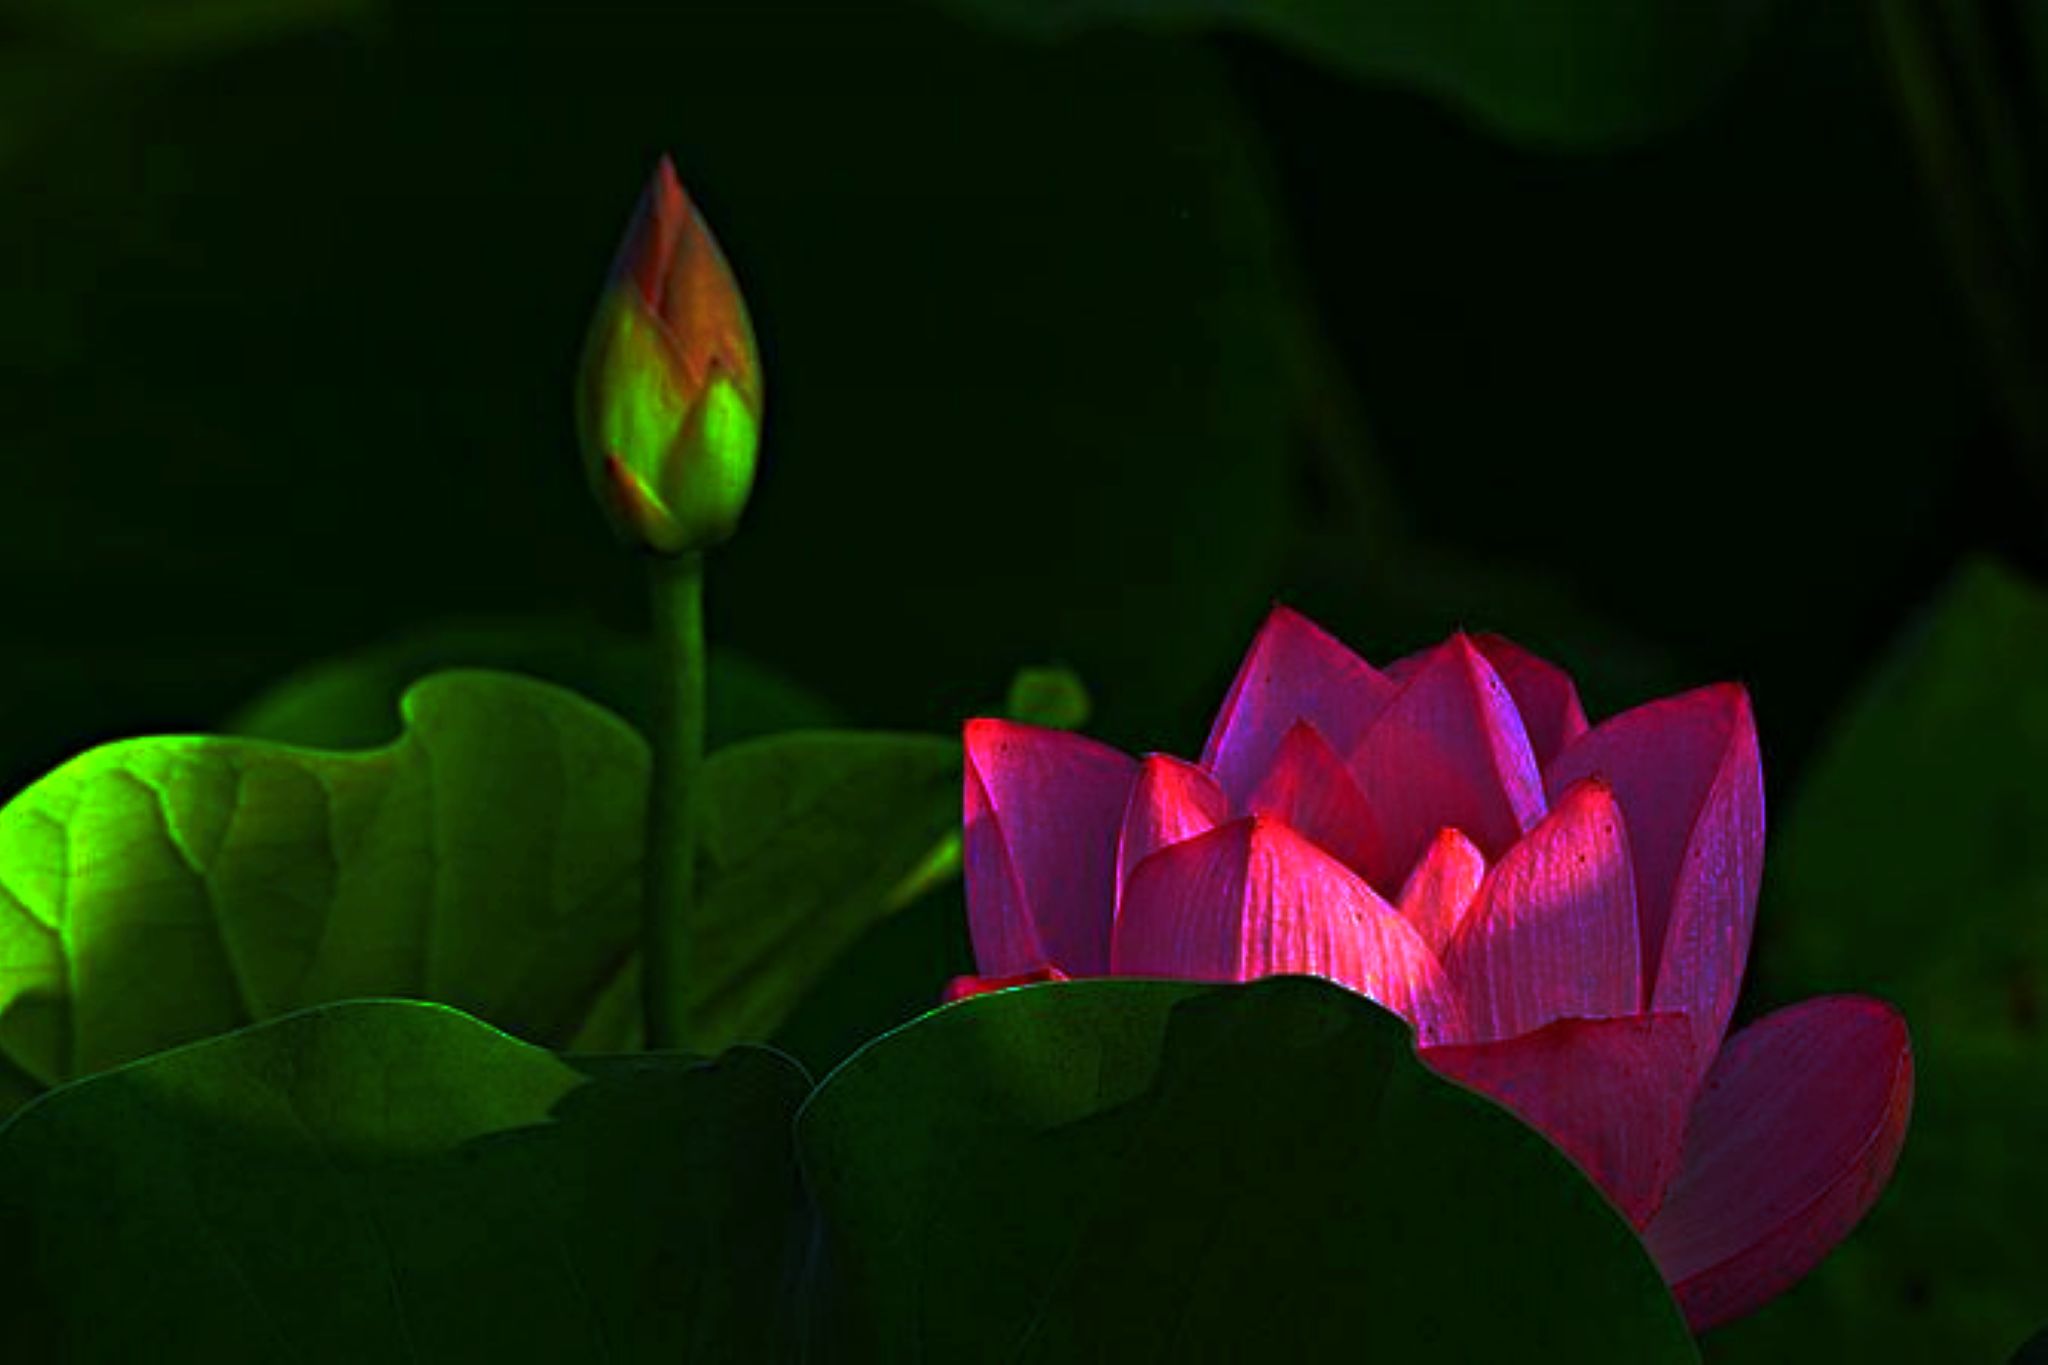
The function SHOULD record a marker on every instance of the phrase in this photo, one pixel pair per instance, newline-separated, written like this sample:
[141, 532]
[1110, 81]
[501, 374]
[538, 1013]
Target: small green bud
[668, 397]
[1052, 697]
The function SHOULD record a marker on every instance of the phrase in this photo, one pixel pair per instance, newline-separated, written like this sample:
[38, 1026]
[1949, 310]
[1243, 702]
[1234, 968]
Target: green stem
[677, 583]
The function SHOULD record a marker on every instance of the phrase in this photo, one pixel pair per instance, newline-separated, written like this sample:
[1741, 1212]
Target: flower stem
[669, 880]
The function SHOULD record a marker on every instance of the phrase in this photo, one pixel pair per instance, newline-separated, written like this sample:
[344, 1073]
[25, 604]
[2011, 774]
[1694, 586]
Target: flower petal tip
[1293, 670]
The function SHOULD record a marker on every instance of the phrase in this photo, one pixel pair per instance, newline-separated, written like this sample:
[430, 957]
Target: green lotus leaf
[157, 891]
[1142, 1171]
[389, 1180]
[809, 839]
[160, 890]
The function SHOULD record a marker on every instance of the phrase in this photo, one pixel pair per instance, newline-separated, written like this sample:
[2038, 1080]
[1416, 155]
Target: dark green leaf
[1161, 1171]
[393, 1181]
[809, 839]
[1913, 867]
[1565, 71]
[156, 891]
[896, 971]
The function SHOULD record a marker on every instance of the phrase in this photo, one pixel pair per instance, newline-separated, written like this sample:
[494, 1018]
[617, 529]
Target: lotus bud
[1053, 697]
[668, 397]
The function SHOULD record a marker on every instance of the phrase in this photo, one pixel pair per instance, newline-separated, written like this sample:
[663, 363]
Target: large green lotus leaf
[389, 1181]
[1575, 72]
[155, 891]
[347, 702]
[809, 840]
[1165, 1171]
[1913, 866]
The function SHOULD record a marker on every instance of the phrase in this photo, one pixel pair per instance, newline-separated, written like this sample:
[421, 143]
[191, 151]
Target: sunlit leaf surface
[156, 891]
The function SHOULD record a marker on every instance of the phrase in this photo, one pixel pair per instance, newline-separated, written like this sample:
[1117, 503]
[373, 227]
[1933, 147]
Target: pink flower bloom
[1562, 913]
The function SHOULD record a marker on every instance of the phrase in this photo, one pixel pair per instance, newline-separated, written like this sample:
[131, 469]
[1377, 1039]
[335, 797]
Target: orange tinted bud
[669, 392]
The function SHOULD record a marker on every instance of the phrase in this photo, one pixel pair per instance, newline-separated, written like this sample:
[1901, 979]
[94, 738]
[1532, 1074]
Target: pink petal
[1442, 886]
[1293, 671]
[1690, 781]
[1309, 789]
[1408, 665]
[1612, 1093]
[1005, 939]
[1449, 749]
[961, 987]
[1543, 693]
[1792, 1140]
[1552, 931]
[1043, 809]
[1172, 800]
[1253, 898]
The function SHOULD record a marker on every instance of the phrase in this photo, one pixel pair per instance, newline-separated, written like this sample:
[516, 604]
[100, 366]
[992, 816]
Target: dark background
[1082, 345]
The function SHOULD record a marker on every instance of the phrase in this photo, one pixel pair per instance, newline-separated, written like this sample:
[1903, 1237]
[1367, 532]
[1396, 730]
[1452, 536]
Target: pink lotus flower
[1562, 913]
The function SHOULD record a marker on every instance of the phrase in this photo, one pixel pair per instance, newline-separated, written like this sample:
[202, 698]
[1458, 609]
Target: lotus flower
[1562, 913]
